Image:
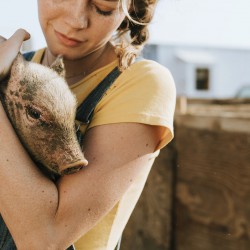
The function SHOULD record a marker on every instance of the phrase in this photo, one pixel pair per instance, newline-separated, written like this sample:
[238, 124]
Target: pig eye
[33, 113]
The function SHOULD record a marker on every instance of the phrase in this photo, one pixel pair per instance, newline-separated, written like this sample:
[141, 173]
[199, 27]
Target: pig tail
[133, 32]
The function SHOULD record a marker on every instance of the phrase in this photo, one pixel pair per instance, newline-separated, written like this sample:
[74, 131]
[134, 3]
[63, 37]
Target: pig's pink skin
[42, 110]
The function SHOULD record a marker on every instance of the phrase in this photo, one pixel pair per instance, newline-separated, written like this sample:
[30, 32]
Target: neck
[78, 69]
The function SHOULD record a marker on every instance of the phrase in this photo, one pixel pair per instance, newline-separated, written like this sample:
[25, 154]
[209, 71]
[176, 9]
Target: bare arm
[52, 217]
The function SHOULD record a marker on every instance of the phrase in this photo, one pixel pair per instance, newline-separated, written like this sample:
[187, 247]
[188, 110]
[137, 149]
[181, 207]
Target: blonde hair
[133, 32]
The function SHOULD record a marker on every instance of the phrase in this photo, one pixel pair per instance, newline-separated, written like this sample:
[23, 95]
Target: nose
[74, 167]
[77, 16]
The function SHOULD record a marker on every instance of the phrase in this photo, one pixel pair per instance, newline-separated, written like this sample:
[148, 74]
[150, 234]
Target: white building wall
[231, 69]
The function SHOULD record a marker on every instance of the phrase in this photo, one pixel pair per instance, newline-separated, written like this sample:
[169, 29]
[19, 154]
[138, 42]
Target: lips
[67, 41]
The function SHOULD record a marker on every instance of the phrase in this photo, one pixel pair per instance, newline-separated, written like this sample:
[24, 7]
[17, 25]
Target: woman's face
[76, 28]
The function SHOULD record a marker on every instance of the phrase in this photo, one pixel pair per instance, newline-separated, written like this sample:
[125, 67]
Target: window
[202, 78]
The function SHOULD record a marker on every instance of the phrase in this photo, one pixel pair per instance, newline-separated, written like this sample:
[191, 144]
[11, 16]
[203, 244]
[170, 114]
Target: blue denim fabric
[6, 241]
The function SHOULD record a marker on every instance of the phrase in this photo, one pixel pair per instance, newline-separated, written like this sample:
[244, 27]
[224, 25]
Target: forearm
[56, 216]
[26, 196]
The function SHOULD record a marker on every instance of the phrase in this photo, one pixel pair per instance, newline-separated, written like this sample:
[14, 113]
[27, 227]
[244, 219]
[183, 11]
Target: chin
[68, 54]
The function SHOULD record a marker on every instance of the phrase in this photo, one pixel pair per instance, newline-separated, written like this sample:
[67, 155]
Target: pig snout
[69, 158]
[73, 167]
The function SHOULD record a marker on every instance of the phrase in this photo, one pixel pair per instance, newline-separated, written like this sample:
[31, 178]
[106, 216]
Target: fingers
[16, 40]
[21, 35]
[9, 50]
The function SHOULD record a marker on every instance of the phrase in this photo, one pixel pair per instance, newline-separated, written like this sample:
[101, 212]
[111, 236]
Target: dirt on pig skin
[42, 111]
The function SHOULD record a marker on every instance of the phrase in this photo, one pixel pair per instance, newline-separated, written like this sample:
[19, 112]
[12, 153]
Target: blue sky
[220, 23]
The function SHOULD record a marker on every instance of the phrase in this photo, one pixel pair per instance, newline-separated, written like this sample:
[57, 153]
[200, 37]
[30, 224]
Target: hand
[9, 50]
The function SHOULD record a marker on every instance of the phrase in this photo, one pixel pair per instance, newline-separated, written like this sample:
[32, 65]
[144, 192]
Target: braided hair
[133, 32]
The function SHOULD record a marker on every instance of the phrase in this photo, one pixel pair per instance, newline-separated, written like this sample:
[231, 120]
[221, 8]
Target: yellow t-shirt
[144, 93]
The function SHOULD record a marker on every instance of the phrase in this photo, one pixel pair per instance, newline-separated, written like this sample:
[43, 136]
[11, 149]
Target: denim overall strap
[86, 109]
[6, 241]
[29, 55]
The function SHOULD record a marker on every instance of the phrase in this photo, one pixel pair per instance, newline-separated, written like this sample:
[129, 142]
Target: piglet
[42, 110]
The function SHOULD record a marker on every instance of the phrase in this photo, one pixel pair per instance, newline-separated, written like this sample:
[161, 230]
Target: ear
[58, 66]
[18, 66]
[19, 61]
[17, 72]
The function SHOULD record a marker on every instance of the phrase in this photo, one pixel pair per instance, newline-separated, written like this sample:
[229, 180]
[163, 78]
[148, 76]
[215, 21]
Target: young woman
[131, 123]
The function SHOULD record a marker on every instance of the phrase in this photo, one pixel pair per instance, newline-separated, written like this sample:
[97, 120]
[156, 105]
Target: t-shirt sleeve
[144, 93]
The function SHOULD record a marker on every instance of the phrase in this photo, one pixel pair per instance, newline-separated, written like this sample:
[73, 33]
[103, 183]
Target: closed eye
[103, 13]
[104, 8]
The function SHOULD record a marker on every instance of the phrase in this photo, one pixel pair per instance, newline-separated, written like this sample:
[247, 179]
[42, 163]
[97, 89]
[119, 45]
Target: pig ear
[58, 66]
[18, 64]
[17, 71]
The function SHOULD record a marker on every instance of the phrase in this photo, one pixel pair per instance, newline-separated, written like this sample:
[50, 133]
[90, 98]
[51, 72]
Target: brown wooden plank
[213, 191]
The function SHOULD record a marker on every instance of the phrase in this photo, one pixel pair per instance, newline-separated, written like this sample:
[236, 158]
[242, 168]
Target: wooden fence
[197, 196]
